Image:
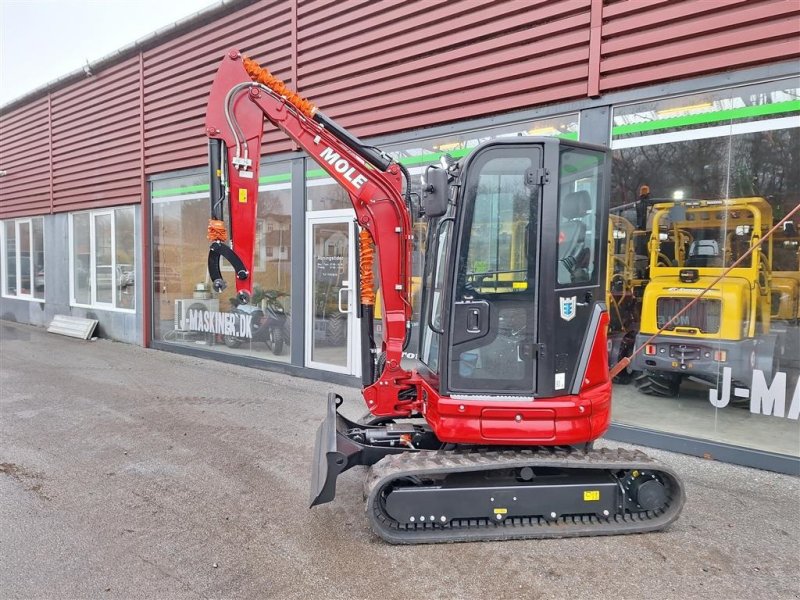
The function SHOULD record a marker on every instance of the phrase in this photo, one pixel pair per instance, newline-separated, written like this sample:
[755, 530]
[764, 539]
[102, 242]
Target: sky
[42, 40]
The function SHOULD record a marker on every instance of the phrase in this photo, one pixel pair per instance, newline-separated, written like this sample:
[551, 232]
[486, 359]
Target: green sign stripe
[280, 178]
[203, 187]
[731, 114]
[430, 157]
[409, 161]
[189, 189]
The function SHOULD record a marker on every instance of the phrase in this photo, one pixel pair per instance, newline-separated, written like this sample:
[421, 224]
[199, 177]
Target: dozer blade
[335, 451]
[468, 495]
[328, 462]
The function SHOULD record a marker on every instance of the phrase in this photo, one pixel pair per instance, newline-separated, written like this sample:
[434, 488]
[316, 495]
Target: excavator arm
[242, 96]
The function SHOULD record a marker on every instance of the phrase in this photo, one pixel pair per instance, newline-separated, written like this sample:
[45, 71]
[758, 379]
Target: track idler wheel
[645, 490]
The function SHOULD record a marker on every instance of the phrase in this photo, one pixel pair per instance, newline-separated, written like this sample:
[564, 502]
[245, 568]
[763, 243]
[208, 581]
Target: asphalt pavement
[135, 473]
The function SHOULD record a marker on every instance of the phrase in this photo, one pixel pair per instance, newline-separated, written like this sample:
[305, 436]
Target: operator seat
[704, 253]
[573, 252]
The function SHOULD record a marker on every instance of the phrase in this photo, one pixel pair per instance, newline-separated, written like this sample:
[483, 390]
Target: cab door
[572, 265]
[492, 322]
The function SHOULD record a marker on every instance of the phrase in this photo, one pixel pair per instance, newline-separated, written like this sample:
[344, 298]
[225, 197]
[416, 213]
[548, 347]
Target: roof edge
[166, 33]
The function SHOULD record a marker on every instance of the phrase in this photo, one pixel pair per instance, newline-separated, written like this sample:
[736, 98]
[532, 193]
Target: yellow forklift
[786, 275]
[691, 243]
[627, 276]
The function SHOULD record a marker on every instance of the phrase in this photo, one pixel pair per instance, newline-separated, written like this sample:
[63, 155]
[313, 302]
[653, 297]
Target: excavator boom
[237, 107]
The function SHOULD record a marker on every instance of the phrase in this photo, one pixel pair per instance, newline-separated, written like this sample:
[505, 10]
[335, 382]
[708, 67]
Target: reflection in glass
[38, 258]
[182, 288]
[727, 161]
[11, 257]
[81, 262]
[24, 243]
[322, 192]
[124, 270]
[103, 267]
[330, 293]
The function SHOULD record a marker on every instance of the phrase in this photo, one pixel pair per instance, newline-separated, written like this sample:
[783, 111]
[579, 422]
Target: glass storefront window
[125, 271]
[424, 152]
[102, 264]
[183, 296]
[10, 260]
[322, 192]
[23, 258]
[696, 183]
[37, 254]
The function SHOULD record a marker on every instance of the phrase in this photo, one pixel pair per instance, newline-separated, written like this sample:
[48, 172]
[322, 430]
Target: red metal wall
[377, 66]
[655, 40]
[387, 66]
[96, 139]
[178, 74]
[25, 156]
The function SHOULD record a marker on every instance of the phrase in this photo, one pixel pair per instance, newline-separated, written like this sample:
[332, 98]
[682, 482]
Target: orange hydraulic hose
[261, 75]
[622, 364]
[366, 258]
[217, 231]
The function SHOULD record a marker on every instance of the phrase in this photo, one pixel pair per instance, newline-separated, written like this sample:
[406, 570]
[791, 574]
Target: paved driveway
[133, 473]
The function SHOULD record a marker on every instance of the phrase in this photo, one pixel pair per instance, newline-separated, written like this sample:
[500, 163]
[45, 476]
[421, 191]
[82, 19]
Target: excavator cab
[515, 274]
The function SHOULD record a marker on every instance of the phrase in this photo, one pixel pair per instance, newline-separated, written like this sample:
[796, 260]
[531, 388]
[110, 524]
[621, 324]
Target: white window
[102, 264]
[22, 256]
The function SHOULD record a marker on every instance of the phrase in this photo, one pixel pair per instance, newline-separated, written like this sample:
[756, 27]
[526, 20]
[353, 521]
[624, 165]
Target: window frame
[18, 263]
[93, 215]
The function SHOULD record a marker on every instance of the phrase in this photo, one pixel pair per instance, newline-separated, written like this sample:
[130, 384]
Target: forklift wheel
[654, 384]
[626, 376]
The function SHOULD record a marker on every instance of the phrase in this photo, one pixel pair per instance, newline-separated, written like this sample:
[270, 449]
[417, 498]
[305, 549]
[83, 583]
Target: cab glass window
[580, 182]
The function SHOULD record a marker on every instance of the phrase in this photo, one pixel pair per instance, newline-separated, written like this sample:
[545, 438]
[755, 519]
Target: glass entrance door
[332, 338]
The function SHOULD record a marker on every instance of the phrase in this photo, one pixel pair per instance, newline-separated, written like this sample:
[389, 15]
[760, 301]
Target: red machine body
[382, 211]
[512, 381]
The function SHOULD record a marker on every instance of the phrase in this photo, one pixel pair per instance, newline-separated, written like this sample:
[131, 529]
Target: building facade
[104, 197]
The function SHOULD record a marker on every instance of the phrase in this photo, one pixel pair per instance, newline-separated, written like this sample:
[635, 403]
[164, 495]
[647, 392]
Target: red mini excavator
[489, 435]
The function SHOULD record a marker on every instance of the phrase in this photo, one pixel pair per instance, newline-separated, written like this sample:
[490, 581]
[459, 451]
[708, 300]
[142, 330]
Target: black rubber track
[410, 464]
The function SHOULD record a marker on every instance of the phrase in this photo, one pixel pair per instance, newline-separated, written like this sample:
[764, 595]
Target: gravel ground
[134, 473]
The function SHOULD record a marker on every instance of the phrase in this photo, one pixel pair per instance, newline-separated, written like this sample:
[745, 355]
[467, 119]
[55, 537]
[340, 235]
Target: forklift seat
[704, 253]
[573, 253]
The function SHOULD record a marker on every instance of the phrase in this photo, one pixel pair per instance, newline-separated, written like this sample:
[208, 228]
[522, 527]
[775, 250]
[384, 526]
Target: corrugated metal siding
[377, 66]
[178, 74]
[387, 66]
[655, 40]
[25, 156]
[96, 140]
